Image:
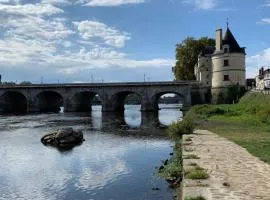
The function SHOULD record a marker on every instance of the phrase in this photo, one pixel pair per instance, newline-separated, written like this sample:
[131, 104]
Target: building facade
[263, 79]
[222, 67]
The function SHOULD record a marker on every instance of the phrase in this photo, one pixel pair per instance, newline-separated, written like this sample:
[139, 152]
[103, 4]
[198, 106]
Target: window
[226, 62]
[225, 50]
[226, 78]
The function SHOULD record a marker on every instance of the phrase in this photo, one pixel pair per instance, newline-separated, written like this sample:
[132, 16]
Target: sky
[76, 41]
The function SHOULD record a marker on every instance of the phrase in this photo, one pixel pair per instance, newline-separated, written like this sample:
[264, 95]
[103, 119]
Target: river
[117, 161]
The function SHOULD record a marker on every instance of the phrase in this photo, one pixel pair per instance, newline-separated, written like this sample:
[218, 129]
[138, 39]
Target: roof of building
[231, 41]
[209, 50]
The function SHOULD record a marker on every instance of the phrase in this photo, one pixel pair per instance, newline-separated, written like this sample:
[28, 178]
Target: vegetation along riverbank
[246, 123]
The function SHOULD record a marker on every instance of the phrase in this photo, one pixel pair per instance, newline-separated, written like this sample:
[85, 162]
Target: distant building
[263, 79]
[222, 66]
[250, 83]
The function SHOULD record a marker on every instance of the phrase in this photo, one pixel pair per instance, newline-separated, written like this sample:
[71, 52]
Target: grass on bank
[176, 130]
[196, 173]
[174, 165]
[191, 156]
[195, 198]
[246, 123]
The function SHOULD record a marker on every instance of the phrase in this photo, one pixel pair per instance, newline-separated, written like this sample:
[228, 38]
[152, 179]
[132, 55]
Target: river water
[117, 160]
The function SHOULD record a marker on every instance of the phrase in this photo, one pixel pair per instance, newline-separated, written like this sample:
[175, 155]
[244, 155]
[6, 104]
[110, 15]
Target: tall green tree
[187, 53]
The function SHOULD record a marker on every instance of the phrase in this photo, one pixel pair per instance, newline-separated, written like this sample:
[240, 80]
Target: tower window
[226, 78]
[226, 62]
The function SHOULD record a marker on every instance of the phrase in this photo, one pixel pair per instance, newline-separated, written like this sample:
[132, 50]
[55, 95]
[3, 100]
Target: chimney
[218, 40]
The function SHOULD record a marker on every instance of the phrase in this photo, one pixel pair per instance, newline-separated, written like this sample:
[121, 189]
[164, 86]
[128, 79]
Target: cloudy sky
[119, 40]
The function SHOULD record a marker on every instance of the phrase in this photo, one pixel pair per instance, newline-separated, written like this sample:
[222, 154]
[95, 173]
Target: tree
[187, 53]
[8, 83]
[25, 83]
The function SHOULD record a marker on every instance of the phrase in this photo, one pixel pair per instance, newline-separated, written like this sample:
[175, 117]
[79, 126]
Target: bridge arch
[155, 98]
[49, 101]
[117, 100]
[82, 101]
[13, 102]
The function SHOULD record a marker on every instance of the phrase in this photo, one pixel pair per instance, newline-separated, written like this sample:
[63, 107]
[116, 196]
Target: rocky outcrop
[63, 138]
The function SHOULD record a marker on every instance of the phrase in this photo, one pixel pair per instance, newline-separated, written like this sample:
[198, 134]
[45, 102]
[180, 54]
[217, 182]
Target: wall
[235, 70]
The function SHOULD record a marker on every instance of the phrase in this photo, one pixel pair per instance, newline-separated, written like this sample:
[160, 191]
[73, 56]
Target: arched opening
[49, 101]
[169, 105]
[128, 103]
[13, 102]
[86, 102]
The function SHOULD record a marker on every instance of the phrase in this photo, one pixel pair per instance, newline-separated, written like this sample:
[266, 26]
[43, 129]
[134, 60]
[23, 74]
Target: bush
[177, 129]
[174, 166]
[195, 198]
[196, 173]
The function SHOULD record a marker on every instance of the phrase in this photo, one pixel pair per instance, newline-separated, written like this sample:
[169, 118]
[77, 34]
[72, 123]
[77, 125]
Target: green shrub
[174, 166]
[196, 173]
[191, 156]
[177, 129]
[195, 198]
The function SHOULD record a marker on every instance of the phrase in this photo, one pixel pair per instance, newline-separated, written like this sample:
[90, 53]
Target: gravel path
[244, 176]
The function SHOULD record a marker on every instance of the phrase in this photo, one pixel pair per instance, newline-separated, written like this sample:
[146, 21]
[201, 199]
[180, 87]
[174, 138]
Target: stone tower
[228, 67]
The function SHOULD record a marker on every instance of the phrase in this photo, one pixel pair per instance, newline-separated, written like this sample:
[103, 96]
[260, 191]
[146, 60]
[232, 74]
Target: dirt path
[246, 177]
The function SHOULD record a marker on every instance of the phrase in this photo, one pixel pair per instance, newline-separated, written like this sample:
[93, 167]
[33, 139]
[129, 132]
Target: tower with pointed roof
[222, 67]
[228, 66]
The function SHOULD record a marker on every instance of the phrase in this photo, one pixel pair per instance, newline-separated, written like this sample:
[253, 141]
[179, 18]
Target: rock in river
[63, 138]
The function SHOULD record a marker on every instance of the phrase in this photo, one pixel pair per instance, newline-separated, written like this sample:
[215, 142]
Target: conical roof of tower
[231, 41]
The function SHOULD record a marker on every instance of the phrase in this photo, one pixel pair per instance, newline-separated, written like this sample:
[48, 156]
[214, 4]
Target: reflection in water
[108, 165]
[133, 118]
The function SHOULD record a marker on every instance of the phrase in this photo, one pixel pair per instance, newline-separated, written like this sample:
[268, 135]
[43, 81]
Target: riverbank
[230, 171]
[246, 123]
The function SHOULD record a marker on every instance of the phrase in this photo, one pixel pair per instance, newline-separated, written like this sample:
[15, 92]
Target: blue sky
[119, 40]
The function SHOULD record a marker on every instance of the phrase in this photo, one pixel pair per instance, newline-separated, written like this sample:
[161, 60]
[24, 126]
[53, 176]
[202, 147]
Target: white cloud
[10, 1]
[30, 9]
[36, 37]
[202, 4]
[67, 44]
[35, 28]
[256, 61]
[94, 29]
[109, 2]
[265, 21]
[18, 51]
[29, 35]
[266, 4]
[56, 1]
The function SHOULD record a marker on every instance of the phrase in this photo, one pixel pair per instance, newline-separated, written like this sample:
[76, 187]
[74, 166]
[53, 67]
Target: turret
[228, 66]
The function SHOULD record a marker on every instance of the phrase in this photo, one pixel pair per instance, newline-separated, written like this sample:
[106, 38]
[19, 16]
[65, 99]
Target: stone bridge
[77, 97]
